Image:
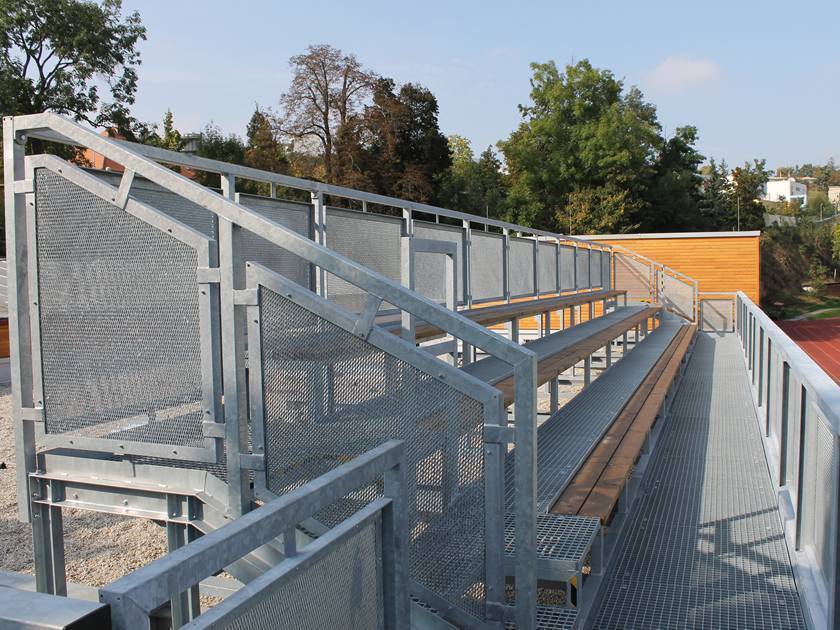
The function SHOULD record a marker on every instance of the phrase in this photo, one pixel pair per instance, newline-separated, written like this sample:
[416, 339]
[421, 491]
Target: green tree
[583, 142]
[676, 191]
[58, 55]
[749, 181]
[171, 138]
[264, 150]
[470, 185]
[395, 146]
[214, 144]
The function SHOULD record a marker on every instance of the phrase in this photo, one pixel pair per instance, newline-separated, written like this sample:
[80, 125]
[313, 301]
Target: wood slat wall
[725, 263]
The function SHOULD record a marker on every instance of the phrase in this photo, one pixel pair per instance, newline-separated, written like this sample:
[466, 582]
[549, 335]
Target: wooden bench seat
[491, 315]
[559, 351]
[597, 486]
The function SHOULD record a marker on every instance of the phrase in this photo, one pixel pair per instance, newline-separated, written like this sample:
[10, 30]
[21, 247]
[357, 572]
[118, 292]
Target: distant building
[834, 195]
[785, 189]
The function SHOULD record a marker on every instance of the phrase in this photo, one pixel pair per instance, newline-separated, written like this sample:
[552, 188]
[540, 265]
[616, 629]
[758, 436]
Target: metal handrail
[246, 172]
[39, 125]
[823, 391]
[135, 597]
[230, 213]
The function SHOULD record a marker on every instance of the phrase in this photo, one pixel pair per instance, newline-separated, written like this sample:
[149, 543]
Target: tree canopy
[55, 55]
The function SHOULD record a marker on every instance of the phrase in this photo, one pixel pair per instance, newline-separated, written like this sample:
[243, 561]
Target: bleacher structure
[334, 404]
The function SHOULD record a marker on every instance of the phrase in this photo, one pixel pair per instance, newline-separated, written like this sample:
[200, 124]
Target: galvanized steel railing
[127, 323]
[646, 280]
[353, 575]
[798, 406]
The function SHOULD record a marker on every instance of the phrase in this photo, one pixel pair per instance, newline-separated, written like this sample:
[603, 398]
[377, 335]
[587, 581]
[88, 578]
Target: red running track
[820, 338]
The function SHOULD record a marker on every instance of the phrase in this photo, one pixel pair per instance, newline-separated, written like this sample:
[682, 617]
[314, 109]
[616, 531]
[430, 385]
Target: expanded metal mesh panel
[119, 319]
[595, 268]
[677, 295]
[521, 266]
[429, 268]
[716, 315]
[371, 240]
[582, 268]
[252, 247]
[486, 269]
[329, 396]
[343, 589]
[547, 267]
[167, 202]
[633, 276]
[567, 268]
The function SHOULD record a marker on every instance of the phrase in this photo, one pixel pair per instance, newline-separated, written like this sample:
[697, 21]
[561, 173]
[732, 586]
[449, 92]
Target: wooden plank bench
[493, 314]
[561, 350]
[596, 488]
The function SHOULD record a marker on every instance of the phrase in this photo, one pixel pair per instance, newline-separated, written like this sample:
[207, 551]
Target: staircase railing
[129, 331]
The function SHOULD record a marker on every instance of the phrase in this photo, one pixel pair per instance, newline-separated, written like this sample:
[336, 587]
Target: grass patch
[801, 304]
[834, 312]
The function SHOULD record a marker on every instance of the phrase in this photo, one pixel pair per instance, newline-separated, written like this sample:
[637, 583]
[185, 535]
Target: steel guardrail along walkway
[704, 546]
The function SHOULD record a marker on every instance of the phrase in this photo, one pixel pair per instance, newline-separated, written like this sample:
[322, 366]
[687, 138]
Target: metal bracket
[32, 414]
[495, 434]
[246, 297]
[209, 275]
[24, 186]
[213, 429]
[251, 461]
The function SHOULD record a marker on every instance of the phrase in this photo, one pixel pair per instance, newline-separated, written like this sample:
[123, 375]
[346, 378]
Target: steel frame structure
[231, 302]
[229, 289]
[135, 597]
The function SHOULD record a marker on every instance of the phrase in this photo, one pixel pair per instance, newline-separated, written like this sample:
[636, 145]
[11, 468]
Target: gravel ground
[99, 548]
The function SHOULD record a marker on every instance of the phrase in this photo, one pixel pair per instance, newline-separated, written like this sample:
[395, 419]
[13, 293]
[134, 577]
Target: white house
[785, 189]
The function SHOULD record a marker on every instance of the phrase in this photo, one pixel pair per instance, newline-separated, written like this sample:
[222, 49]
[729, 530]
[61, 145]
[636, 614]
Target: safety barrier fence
[717, 311]
[799, 412]
[353, 575]
[140, 313]
[646, 280]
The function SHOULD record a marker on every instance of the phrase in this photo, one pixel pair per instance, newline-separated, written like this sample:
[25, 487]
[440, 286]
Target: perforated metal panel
[677, 295]
[633, 276]
[370, 239]
[330, 396]
[567, 268]
[606, 270]
[486, 266]
[582, 268]
[252, 247]
[547, 267]
[119, 321]
[521, 266]
[825, 467]
[595, 267]
[343, 590]
[429, 268]
[716, 315]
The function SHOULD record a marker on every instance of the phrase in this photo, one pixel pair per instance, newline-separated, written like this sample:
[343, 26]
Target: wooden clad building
[720, 261]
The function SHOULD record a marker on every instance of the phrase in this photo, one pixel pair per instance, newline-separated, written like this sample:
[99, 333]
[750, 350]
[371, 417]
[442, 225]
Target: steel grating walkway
[704, 546]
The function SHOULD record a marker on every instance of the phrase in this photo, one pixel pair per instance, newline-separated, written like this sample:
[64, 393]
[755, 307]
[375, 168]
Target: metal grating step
[552, 618]
[704, 546]
[566, 439]
[563, 543]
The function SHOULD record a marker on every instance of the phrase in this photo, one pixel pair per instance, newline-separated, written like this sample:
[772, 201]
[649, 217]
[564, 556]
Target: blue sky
[759, 79]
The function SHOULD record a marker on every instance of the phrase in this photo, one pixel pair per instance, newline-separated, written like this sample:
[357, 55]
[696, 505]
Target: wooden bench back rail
[507, 312]
[553, 358]
[596, 488]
